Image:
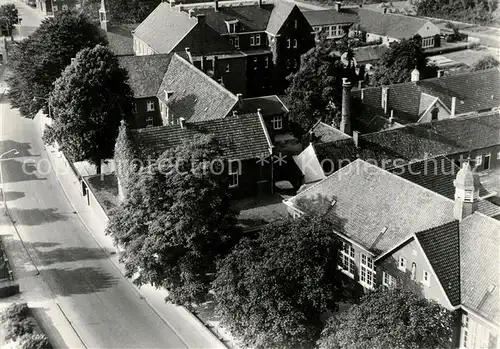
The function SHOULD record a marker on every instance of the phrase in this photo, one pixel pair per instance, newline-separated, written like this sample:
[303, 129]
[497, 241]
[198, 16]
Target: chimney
[201, 18]
[181, 8]
[415, 75]
[440, 73]
[385, 98]
[260, 3]
[235, 113]
[466, 192]
[345, 123]
[391, 118]
[362, 93]
[311, 136]
[216, 7]
[385, 9]
[453, 106]
[239, 96]
[188, 53]
[338, 6]
[172, 3]
[360, 84]
[191, 13]
[355, 138]
[182, 122]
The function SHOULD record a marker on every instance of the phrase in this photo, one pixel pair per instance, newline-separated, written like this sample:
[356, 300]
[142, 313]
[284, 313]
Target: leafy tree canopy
[315, 91]
[176, 221]
[272, 291]
[470, 11]
[38, 61]
[8, 17]
[394, 318]
[484, 63]
[396, 65]
[88, 102]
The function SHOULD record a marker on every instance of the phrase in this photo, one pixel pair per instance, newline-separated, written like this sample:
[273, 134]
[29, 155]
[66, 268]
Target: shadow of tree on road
[83, 280]
[36, 216]
[24, 149]
[13, 195]
[68, 254]
[18, 171]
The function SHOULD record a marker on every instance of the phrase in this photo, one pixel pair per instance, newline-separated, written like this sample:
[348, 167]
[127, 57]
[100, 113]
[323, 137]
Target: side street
[249, 174]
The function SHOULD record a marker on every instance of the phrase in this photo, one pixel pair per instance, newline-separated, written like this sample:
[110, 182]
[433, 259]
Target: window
[295, 24]
[388, 280]
[150, 105]
[234, 172]
[498, 155]
[255, 40]
[465, 330]
[288, 43]
[435, 113]
[479, 160]
[402, 264]
[294, 43]
[227, 68]
[266, 65]
[252, 40]
[78, 6]
[317, 29]
[255, 63]
[486, 162]
[231, 26]
[367, 271]
[348, 265]
[235, 41]
[428, 42]
[134, 108]
[414, 271]
[426, 278]
[149, 121]
[277, 122]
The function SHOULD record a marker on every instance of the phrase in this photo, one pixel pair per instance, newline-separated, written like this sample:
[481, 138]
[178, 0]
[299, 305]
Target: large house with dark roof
[248, 48]
[332, 23]
[244, 141]
[398, 233]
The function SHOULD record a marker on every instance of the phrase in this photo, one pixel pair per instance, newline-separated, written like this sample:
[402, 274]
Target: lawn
[105, 189]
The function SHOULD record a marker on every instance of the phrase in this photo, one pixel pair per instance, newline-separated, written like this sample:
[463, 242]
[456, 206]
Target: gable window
[426, 278]
[479, 160]
[288, 43]
[134, 107]
[149, 121]
[388, 280]
[234, 173]
[402, 264]
[277, 122]
[266, 65]
[294, 43]
[295, 24]
[151, 105]
[227, 68]
[348, 265]
[435, 113]
[366, 271]
[428, 42]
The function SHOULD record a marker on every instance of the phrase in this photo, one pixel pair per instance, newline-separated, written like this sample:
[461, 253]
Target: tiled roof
[391, 25]
[442, 248]
[329, 17]
[120, 39]
[145, 72]
[480, 265]
[444, 137]
[165, 27]
[370, 199]
[475, 91]
[326, 133]
[250, 17]
[241, 137]
[340, 152]
[280, 13]
[196, 97]
[269, 105]
[369, 53]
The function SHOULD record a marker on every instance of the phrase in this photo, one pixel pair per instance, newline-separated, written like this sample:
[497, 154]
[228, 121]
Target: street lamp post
[15, 151]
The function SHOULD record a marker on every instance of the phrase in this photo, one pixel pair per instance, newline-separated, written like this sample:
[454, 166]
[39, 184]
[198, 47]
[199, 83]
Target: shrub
[15, 311]
[34, 341]
[17, 328]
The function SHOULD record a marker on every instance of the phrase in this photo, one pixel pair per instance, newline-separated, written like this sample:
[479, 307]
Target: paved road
[104, 308]
[31, 19]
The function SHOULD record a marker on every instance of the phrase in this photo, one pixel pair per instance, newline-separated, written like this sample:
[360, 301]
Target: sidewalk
[187, 326]
[34, 291]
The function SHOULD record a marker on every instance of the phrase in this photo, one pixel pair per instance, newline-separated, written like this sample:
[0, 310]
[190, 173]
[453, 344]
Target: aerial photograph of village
[249, 174]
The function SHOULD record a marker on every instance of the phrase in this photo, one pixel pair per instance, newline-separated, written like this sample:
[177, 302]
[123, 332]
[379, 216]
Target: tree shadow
[68, 254]
[82, 280]
[36, 216]
[13, 195]
[14, 171]
[186, 106]
[24, 149]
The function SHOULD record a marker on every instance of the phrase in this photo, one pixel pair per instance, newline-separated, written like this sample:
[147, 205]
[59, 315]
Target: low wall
[93, 202]
[8, 286]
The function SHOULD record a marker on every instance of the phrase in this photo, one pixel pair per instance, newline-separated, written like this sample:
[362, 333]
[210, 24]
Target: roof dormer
[232, 26]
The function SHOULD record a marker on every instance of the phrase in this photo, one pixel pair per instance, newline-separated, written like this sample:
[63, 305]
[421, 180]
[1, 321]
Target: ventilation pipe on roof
[260, 3]
[338, 6]
[391, 118]
[440, 73]
[216, 5]
[362, 93]
[191, 13]
[188, 53]
[182, 122]
[172, 3]
[453, 106]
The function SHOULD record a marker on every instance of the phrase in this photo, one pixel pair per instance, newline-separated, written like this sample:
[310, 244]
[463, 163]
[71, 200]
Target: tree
[130, 11]
[315, 91]
[396, 65]
[124, 158]
[396, 318]
[484, 63]
[176, 221]
[88, 102]
[272, 291]
[39, 60]
[8, 17]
